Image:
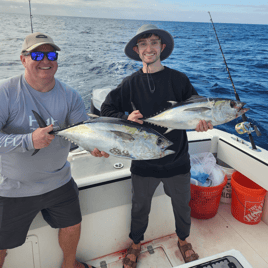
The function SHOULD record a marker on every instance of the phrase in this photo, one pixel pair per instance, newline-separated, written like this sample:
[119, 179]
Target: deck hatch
[158, 259]
[28, 252]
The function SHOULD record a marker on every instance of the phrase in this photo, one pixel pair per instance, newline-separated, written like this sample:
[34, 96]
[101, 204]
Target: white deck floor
[208, 237]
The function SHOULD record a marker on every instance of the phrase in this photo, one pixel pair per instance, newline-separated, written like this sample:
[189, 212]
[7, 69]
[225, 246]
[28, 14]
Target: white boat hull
[105, 197]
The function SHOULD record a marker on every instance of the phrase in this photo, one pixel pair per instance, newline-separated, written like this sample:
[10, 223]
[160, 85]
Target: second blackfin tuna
[117, 137]
[187, 114]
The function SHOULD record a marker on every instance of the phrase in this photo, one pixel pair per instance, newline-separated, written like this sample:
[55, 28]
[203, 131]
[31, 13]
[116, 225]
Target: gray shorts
[60, 208]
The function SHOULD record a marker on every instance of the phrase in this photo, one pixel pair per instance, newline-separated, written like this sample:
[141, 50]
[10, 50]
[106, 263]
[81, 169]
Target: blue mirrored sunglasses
[38, 56]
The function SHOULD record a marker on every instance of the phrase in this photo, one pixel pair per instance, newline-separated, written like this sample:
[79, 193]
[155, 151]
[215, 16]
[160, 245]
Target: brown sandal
[184, 248]
[127, 261]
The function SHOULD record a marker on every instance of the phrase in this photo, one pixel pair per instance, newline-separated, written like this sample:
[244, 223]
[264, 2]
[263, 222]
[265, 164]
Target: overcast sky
[222, 11]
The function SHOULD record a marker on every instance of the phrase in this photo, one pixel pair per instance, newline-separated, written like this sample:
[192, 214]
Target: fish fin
[195, 98]
[35, 151]
[133, 106]
[92, 115]
[124, 136]
[41, 124]
[197, 109]
[39, 120]
[168, 130]
[168, 152]
[173, 103]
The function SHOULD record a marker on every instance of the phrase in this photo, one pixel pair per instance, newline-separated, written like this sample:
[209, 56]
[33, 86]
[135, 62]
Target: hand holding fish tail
[41, 137]
[98, 153]
[203, 126]
[135, 116]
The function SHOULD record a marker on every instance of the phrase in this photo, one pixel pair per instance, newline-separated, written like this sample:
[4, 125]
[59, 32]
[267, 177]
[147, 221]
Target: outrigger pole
[236, 94]
[31, 15]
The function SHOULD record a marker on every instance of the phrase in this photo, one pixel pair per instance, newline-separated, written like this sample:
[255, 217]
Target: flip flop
[184, 248]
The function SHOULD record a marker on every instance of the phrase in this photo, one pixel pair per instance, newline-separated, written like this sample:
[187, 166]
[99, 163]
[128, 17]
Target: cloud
[85, 3]
[155, 10]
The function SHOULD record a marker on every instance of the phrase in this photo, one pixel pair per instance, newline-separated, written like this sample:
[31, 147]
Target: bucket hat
[165, 36]
[35, 40]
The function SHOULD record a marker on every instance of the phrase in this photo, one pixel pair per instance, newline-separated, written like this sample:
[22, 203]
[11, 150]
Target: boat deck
[208, 237]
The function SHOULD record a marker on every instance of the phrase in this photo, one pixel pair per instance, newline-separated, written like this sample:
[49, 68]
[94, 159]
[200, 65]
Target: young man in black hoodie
[143, 94]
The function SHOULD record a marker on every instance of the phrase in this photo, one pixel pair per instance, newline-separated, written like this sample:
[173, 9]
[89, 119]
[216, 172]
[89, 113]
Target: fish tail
[39, 120]
[41, 124]
[35, 151]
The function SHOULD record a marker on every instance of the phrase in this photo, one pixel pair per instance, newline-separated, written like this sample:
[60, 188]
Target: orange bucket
[205, 201]
[247, 199]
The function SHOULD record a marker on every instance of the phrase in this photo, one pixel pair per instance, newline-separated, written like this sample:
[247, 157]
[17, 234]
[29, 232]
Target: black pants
[177, 187]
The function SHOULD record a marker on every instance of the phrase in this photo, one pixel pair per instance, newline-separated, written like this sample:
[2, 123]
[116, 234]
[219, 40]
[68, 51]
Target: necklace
[152, 90]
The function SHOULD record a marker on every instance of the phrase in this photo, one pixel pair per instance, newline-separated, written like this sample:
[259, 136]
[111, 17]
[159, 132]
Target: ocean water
[93, 57]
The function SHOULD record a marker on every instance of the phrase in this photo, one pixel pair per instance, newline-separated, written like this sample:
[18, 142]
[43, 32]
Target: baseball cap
[35, 40]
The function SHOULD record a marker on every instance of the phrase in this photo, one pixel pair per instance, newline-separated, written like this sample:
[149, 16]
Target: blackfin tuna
[117, 137]
[187, 114]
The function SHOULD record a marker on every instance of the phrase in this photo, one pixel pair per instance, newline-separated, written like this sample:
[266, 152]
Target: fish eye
[159, 141]
[232, 104]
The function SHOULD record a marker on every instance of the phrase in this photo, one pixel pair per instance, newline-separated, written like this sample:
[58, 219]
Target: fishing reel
[247, 127]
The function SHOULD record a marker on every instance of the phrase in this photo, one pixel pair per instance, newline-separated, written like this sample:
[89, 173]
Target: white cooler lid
[231, 253]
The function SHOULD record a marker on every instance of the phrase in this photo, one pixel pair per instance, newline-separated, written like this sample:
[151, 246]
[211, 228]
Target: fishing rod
[245, 127]
[31, 15]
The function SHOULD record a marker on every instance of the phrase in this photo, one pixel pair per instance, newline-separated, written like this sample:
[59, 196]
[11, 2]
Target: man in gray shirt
[30, 184]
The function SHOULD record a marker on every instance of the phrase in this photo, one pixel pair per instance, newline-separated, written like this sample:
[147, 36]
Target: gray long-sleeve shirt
[22, 174]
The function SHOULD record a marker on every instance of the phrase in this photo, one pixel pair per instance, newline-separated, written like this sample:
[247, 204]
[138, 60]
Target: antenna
[31, 15]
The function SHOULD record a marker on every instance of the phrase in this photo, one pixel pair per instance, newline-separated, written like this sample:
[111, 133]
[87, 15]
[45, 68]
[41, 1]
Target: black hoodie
[167, 85]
